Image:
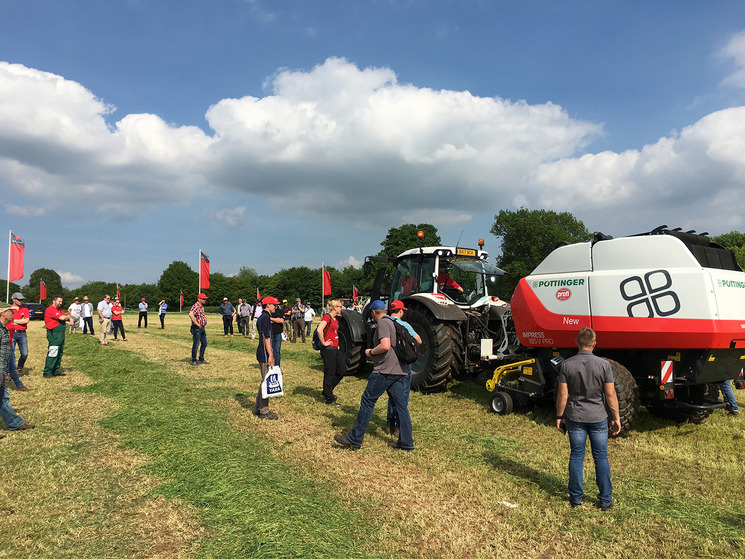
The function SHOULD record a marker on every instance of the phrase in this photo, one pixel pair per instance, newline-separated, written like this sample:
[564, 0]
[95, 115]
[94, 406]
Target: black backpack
[317, 345]
[406, 348]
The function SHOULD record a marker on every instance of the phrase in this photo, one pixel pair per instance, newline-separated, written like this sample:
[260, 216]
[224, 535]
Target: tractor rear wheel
[352, 351]
[434, 368]
[627, 392]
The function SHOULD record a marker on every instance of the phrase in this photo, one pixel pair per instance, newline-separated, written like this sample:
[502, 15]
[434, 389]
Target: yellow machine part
[505, 370]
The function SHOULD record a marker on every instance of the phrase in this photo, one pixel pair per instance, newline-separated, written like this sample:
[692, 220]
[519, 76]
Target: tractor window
[405, 279]
[426, 275]
[463, 280]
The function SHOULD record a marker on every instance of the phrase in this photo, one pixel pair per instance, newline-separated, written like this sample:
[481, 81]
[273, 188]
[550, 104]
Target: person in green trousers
[55, 320]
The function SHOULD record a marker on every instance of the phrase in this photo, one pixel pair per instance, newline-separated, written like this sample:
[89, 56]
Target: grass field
[138, 454]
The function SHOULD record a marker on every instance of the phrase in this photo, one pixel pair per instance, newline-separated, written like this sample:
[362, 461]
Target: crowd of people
[586, 404]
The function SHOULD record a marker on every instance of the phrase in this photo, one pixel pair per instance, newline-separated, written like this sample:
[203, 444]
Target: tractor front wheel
[434, 368]
[352, 351]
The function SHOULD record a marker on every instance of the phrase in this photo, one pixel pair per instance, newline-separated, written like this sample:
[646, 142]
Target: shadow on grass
[550, 484]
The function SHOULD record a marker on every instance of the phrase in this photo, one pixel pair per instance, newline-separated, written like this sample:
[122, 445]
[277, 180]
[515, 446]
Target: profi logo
[563, 294]
[651, 296]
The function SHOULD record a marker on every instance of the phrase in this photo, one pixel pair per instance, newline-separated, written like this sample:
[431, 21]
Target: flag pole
[323, 304]
[7, 278]
[199, 263]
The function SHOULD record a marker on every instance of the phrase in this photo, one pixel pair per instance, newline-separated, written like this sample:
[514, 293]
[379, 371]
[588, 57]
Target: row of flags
[17, 253]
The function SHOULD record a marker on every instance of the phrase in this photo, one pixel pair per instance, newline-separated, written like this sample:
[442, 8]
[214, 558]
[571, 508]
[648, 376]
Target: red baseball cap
[201, 296]
[270, 300]
[398, 306]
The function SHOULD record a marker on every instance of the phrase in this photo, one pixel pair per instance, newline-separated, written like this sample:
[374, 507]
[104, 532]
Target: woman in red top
[333, 359]
[116, 319]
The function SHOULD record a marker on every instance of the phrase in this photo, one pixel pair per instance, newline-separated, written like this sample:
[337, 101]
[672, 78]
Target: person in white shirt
[87, 314]
[309, 315]
[74, 311]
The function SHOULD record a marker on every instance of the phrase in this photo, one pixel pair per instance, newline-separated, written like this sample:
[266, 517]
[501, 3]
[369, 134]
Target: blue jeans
[11, 418]
[728, 395]
[377, 384]
[199, 336]
[20, 339]
[88, 325]
[12, 371]
[392, 416]
[118, 327]
[598, 433]
[276, 347]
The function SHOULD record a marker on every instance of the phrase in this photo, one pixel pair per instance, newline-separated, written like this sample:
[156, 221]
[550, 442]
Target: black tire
[501, 403]
[627, 392]
[434, 368]
[458, 355]
[352, 351]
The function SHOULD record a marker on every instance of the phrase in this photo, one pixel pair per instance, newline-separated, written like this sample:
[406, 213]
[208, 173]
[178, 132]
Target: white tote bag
[272, 385]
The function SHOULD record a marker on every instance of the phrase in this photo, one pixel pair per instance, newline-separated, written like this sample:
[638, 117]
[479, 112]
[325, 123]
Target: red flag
[182, 297]
[15, 262]
[42, 290]
[326, 282]
[354, 293]
[258, 294]
[204, 271]
[117, 292]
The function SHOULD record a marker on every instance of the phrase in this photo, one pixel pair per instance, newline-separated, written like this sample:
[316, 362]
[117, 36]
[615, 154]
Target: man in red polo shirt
[55, 319]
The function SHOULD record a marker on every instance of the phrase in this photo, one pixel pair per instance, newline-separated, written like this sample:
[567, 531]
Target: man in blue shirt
[264, 354]
[393, 423]
[143, 313]
[227, 311]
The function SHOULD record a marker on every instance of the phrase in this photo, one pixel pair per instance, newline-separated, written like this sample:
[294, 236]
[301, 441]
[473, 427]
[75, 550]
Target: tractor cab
[457, 274]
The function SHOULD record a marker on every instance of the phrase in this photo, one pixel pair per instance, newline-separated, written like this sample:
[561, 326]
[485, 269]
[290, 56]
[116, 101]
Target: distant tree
[220, 286]
[245, 282]
[52, 281]
[14, 287]
[735, 241]
[528, 236]
[132, 294]
[404, 238]
[299, 281]
[95, 290]
[177, 277]
[342, 282]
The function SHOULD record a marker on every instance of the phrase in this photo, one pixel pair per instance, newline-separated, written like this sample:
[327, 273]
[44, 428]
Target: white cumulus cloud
[71, 280]
[735, 50]
[355, 143]
[351, 261]
[695, 177]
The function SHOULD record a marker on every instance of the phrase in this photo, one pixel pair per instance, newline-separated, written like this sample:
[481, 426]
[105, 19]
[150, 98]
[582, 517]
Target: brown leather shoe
[26, 427]
[22, 389]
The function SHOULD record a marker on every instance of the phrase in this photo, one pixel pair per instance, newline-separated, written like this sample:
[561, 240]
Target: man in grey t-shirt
[585, 387]
[389, 374]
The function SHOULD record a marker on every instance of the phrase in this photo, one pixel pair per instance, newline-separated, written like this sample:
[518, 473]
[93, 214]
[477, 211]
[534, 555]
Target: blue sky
[276, 134]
